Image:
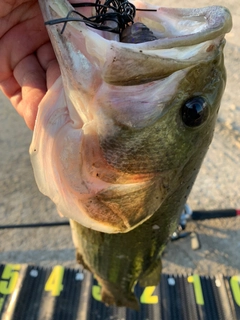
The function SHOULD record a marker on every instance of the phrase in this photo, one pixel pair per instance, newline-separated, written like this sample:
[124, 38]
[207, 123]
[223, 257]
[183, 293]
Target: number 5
[9, 278]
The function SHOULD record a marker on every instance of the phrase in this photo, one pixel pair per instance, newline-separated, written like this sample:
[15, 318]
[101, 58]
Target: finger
[10, 87]
[10, 5]
[48, 61]
[31, 78]
[23, 39]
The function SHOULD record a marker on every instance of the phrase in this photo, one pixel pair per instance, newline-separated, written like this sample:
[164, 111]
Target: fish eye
[194, 111]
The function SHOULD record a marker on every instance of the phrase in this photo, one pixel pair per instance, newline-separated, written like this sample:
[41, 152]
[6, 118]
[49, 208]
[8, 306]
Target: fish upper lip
[185, 36]
[175, 27]
[192, 26]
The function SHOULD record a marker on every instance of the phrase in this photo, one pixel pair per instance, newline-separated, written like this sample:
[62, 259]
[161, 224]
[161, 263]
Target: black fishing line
[121, 12]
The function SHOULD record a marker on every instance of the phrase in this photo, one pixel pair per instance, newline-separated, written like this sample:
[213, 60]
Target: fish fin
[152, 276]
[80, 260]
[112, 295]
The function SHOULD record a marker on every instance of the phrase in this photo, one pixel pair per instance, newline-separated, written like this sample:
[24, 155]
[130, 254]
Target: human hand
[28, 65]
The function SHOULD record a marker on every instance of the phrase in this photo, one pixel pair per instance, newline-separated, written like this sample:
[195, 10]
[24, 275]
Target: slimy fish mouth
[173, 26]
[116, 32]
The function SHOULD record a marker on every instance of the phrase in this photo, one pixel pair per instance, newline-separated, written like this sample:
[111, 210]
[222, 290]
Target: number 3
[96, 292]
[234, 282]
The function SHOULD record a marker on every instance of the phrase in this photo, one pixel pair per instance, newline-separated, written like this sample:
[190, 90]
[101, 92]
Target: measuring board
[58, 293]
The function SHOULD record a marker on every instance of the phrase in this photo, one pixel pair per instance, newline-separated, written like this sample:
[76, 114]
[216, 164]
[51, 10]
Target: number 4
[54, 282]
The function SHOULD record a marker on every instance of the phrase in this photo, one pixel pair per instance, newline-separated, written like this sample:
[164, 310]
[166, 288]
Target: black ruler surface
[58, 293]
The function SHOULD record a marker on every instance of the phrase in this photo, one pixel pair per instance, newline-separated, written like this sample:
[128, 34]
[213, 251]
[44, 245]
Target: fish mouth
[172, 27]
[181, 38]
[187, 27]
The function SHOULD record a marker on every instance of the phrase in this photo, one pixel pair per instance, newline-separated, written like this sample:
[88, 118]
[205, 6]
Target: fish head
[130, 119]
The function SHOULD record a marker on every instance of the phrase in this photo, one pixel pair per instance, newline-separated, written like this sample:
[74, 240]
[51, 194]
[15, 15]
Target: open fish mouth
[109, 146]
[173, 27]
[171, 39]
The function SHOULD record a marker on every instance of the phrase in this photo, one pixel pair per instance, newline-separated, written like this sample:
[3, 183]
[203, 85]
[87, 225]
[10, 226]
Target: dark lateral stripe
[58, 293]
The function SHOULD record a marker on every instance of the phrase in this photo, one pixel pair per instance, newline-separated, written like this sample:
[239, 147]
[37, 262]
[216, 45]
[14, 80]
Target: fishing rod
[187, 215]
[179, 233]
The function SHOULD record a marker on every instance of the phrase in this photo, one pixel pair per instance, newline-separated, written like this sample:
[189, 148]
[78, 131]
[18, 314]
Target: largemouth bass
[121, 135]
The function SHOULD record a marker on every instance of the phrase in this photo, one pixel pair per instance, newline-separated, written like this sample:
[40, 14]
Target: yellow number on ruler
[9, 278]
[195, 279]
[235, 285]
[1, 303]
[54, 282]
[148, 297]
[96, 292]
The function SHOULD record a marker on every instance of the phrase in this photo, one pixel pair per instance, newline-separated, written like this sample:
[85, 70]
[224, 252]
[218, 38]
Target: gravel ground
[217, 186]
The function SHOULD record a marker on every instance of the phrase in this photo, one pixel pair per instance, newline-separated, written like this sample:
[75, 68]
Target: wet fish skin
[158, 149]
[118, 261]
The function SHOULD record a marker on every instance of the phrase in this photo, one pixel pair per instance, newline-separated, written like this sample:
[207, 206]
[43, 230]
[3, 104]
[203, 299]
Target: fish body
[121, 135]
